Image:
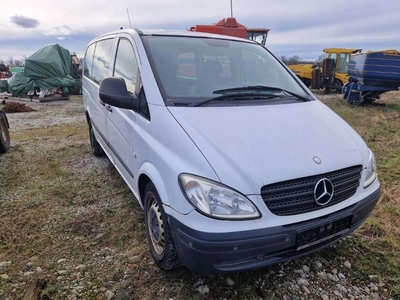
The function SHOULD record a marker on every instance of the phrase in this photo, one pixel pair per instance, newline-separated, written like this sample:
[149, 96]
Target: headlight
[370, 172]
[216, 200]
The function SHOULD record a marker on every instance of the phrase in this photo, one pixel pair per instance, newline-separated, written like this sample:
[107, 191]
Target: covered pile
[50, 67]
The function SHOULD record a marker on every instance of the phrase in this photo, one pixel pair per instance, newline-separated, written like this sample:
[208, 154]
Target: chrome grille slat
[296, 196]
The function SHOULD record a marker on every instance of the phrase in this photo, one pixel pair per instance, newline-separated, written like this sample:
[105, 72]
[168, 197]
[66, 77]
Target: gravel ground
[306, 278]
[47, 114]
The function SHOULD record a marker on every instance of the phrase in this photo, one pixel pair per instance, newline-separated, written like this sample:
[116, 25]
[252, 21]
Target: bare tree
[10, 61]
[294, 60]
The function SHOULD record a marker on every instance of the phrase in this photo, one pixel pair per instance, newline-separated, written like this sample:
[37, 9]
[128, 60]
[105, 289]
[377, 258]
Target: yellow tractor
[332, 75]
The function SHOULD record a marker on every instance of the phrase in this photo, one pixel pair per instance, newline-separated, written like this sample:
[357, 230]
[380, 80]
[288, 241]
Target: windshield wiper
[234, 96]
[261, 88]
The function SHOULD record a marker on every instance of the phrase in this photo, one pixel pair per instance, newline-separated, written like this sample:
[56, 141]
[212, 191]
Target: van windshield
[193, 69]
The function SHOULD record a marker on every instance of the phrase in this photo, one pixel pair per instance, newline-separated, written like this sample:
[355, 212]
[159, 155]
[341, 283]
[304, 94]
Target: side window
[334, 56]
[126, 65]
[101, 61]
[343, 63]
[88, 62]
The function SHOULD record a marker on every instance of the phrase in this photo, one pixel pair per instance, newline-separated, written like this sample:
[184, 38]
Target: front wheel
[4, 133]
[158, 232]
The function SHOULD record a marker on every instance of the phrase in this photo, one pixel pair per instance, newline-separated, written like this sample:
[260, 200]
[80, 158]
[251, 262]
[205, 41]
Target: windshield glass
[191, 69]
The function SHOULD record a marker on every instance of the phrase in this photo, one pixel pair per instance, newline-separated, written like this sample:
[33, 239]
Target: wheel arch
[87, 117]
[149, 173]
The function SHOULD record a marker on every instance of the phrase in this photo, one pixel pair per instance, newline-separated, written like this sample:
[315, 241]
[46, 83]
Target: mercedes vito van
[236, 164]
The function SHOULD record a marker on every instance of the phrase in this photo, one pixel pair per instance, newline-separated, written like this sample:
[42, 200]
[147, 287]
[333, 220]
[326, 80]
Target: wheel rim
[4, 132]
[156, 227]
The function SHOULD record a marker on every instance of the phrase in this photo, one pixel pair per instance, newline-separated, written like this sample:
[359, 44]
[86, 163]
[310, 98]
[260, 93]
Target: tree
[10, 61]
[284, 59]
[294, 60]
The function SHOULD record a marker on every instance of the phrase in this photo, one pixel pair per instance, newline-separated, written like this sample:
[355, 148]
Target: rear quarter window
[101, 60]
[88, 62]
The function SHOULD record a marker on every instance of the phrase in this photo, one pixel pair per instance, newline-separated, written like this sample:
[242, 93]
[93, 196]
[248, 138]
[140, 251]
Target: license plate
[322, 233]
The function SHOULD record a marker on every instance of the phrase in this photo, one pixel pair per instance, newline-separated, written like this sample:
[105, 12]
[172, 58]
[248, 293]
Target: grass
[60, 202]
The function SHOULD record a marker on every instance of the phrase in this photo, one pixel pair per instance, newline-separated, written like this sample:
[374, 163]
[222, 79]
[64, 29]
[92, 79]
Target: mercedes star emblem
[323, 191]
[317, 160]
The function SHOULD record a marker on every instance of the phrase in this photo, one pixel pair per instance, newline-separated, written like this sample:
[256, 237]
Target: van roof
[171, 33]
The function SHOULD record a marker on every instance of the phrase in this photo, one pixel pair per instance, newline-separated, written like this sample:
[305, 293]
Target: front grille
[293, 197]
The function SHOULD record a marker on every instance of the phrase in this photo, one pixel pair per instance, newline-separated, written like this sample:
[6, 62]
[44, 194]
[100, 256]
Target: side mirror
[113, 91]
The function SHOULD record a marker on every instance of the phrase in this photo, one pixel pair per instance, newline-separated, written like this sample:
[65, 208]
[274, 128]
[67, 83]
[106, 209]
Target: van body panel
[97, 112]
[241, 142]
[164, 149]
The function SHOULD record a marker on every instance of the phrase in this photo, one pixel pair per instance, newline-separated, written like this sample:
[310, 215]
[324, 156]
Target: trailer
[372, 74]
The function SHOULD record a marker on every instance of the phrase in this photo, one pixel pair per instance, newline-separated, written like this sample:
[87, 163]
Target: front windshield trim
[194, 96]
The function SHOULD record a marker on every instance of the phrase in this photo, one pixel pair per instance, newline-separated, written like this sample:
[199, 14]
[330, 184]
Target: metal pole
[231, 10]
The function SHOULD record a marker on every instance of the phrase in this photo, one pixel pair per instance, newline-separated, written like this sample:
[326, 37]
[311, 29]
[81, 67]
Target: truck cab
[340, 58]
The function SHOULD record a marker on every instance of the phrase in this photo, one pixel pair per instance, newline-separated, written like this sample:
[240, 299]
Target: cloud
[302, 30]
[24, 22]
[60, 32]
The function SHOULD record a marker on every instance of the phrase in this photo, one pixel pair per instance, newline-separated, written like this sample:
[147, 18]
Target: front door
[120, 122]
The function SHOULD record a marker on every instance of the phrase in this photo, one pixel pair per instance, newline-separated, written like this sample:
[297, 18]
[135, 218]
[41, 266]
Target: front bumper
[210, 253]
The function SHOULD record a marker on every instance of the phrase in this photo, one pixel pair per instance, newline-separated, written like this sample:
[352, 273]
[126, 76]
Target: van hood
[251, 146]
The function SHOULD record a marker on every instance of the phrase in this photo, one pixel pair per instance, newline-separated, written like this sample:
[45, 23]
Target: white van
[235, 162]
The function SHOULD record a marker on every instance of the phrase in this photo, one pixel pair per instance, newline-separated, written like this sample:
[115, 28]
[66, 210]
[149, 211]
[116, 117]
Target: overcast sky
[297, 27]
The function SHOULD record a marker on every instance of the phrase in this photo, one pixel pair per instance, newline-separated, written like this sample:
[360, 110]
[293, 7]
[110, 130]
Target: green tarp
[51, 61]
[48, 68]
[19, 84]
[16, 69]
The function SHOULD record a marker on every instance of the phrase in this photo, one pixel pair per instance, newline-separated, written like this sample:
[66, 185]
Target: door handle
[109, 108]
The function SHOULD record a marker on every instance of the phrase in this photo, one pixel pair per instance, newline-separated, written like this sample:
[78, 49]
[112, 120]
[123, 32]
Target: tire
[158, 231]
[94, 144]
[4, 133]
[336, 86]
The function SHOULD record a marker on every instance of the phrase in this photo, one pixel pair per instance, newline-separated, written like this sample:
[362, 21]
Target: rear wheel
[4, 133]
[94, 144]
[158, 232]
